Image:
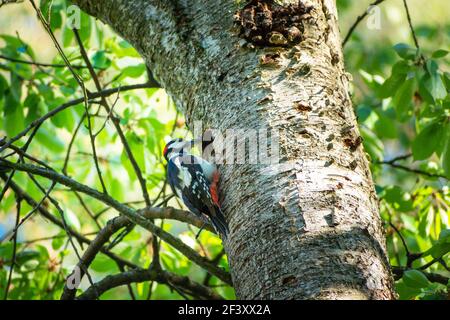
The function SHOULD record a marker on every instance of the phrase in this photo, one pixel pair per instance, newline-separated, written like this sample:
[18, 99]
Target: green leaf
[385, 127]
[439, 54]
[57, 243]
[426, 222]
[35, 106]
[6, 249]
[46, 92]
[48, 139]
[100, 60]
[445, 158]
[403, 99]
[16, 86]
[415, 279]
[67, 36]
[434, 84]
[447, 80]
[52, 12]
[133, 71]
[405, 51]
[439, 250]
[63, 119]
[405, 292]
[444, 236]
[3, 86]
[85, 27]
[397, 78]
[137, 148]
[372, 144]
[26, 255]
[102, 263]
[121, 48]
[427, 141]
[398, 198]
[13, 119]
[43, 253]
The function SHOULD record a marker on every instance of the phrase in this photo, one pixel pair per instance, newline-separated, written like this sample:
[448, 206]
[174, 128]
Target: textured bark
[308, 231]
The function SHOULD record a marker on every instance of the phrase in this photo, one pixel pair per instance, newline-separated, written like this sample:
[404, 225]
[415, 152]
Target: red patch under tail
[214, 188]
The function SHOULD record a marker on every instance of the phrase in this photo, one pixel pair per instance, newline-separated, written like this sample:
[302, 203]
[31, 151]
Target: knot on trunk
[266, 23]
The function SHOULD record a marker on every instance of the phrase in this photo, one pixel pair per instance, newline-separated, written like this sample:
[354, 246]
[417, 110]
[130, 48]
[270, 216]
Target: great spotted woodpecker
[195, 181]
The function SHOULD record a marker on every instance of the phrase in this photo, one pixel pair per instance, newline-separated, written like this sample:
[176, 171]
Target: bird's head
[177, 146]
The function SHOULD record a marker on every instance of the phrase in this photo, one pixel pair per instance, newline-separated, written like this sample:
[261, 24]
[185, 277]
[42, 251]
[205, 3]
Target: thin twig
[110, 113]
[393, 163]
[80, 82]
[116, 121]
[56, 236]
[36, 208]
[130, 213]
[433, 277]
[91, 252]
[24, 149]
[88, 211]
[358, 20]
[122, 137]
[38, 122]
[64, 222]
[72, 140]
[13, 259]
[416, 42]
[47, 215]
[40, 64]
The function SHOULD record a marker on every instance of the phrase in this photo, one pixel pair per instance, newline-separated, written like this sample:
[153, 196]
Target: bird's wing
[196, 185]
[196, 191]
[173, 177]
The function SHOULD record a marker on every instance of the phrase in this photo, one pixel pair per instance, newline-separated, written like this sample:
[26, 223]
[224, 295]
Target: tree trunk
[310, 230]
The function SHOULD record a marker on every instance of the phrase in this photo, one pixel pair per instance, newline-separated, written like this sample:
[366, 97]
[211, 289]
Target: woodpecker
[195, 181]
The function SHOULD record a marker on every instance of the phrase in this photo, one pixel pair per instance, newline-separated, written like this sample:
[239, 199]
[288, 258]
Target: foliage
[400, 94]
[403, 104]
[147, 118]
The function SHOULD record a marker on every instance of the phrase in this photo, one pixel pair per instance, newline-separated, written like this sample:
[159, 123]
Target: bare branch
[47, 215]
[358, 20]
[432, 277]
[130, 213]
[38, 122]
[393, 163]
[141, 275]
[416, 42]
[40, 64]
[4, 2]
[91, 252]
[13, 259]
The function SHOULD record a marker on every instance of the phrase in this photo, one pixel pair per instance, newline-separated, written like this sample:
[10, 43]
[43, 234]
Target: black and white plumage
[195, 181]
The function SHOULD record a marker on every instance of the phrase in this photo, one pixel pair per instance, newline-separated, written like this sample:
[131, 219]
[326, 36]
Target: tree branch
[37, 122]
[393, 163]
[91, 252]
[13, 258]
[47, 215]
[416, 42]
[40, 64]
[130, 213]
[141, 275]
[358, 20]
[432, 277]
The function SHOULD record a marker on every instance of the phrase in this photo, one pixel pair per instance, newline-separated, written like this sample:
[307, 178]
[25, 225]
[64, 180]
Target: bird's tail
[219, 222]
